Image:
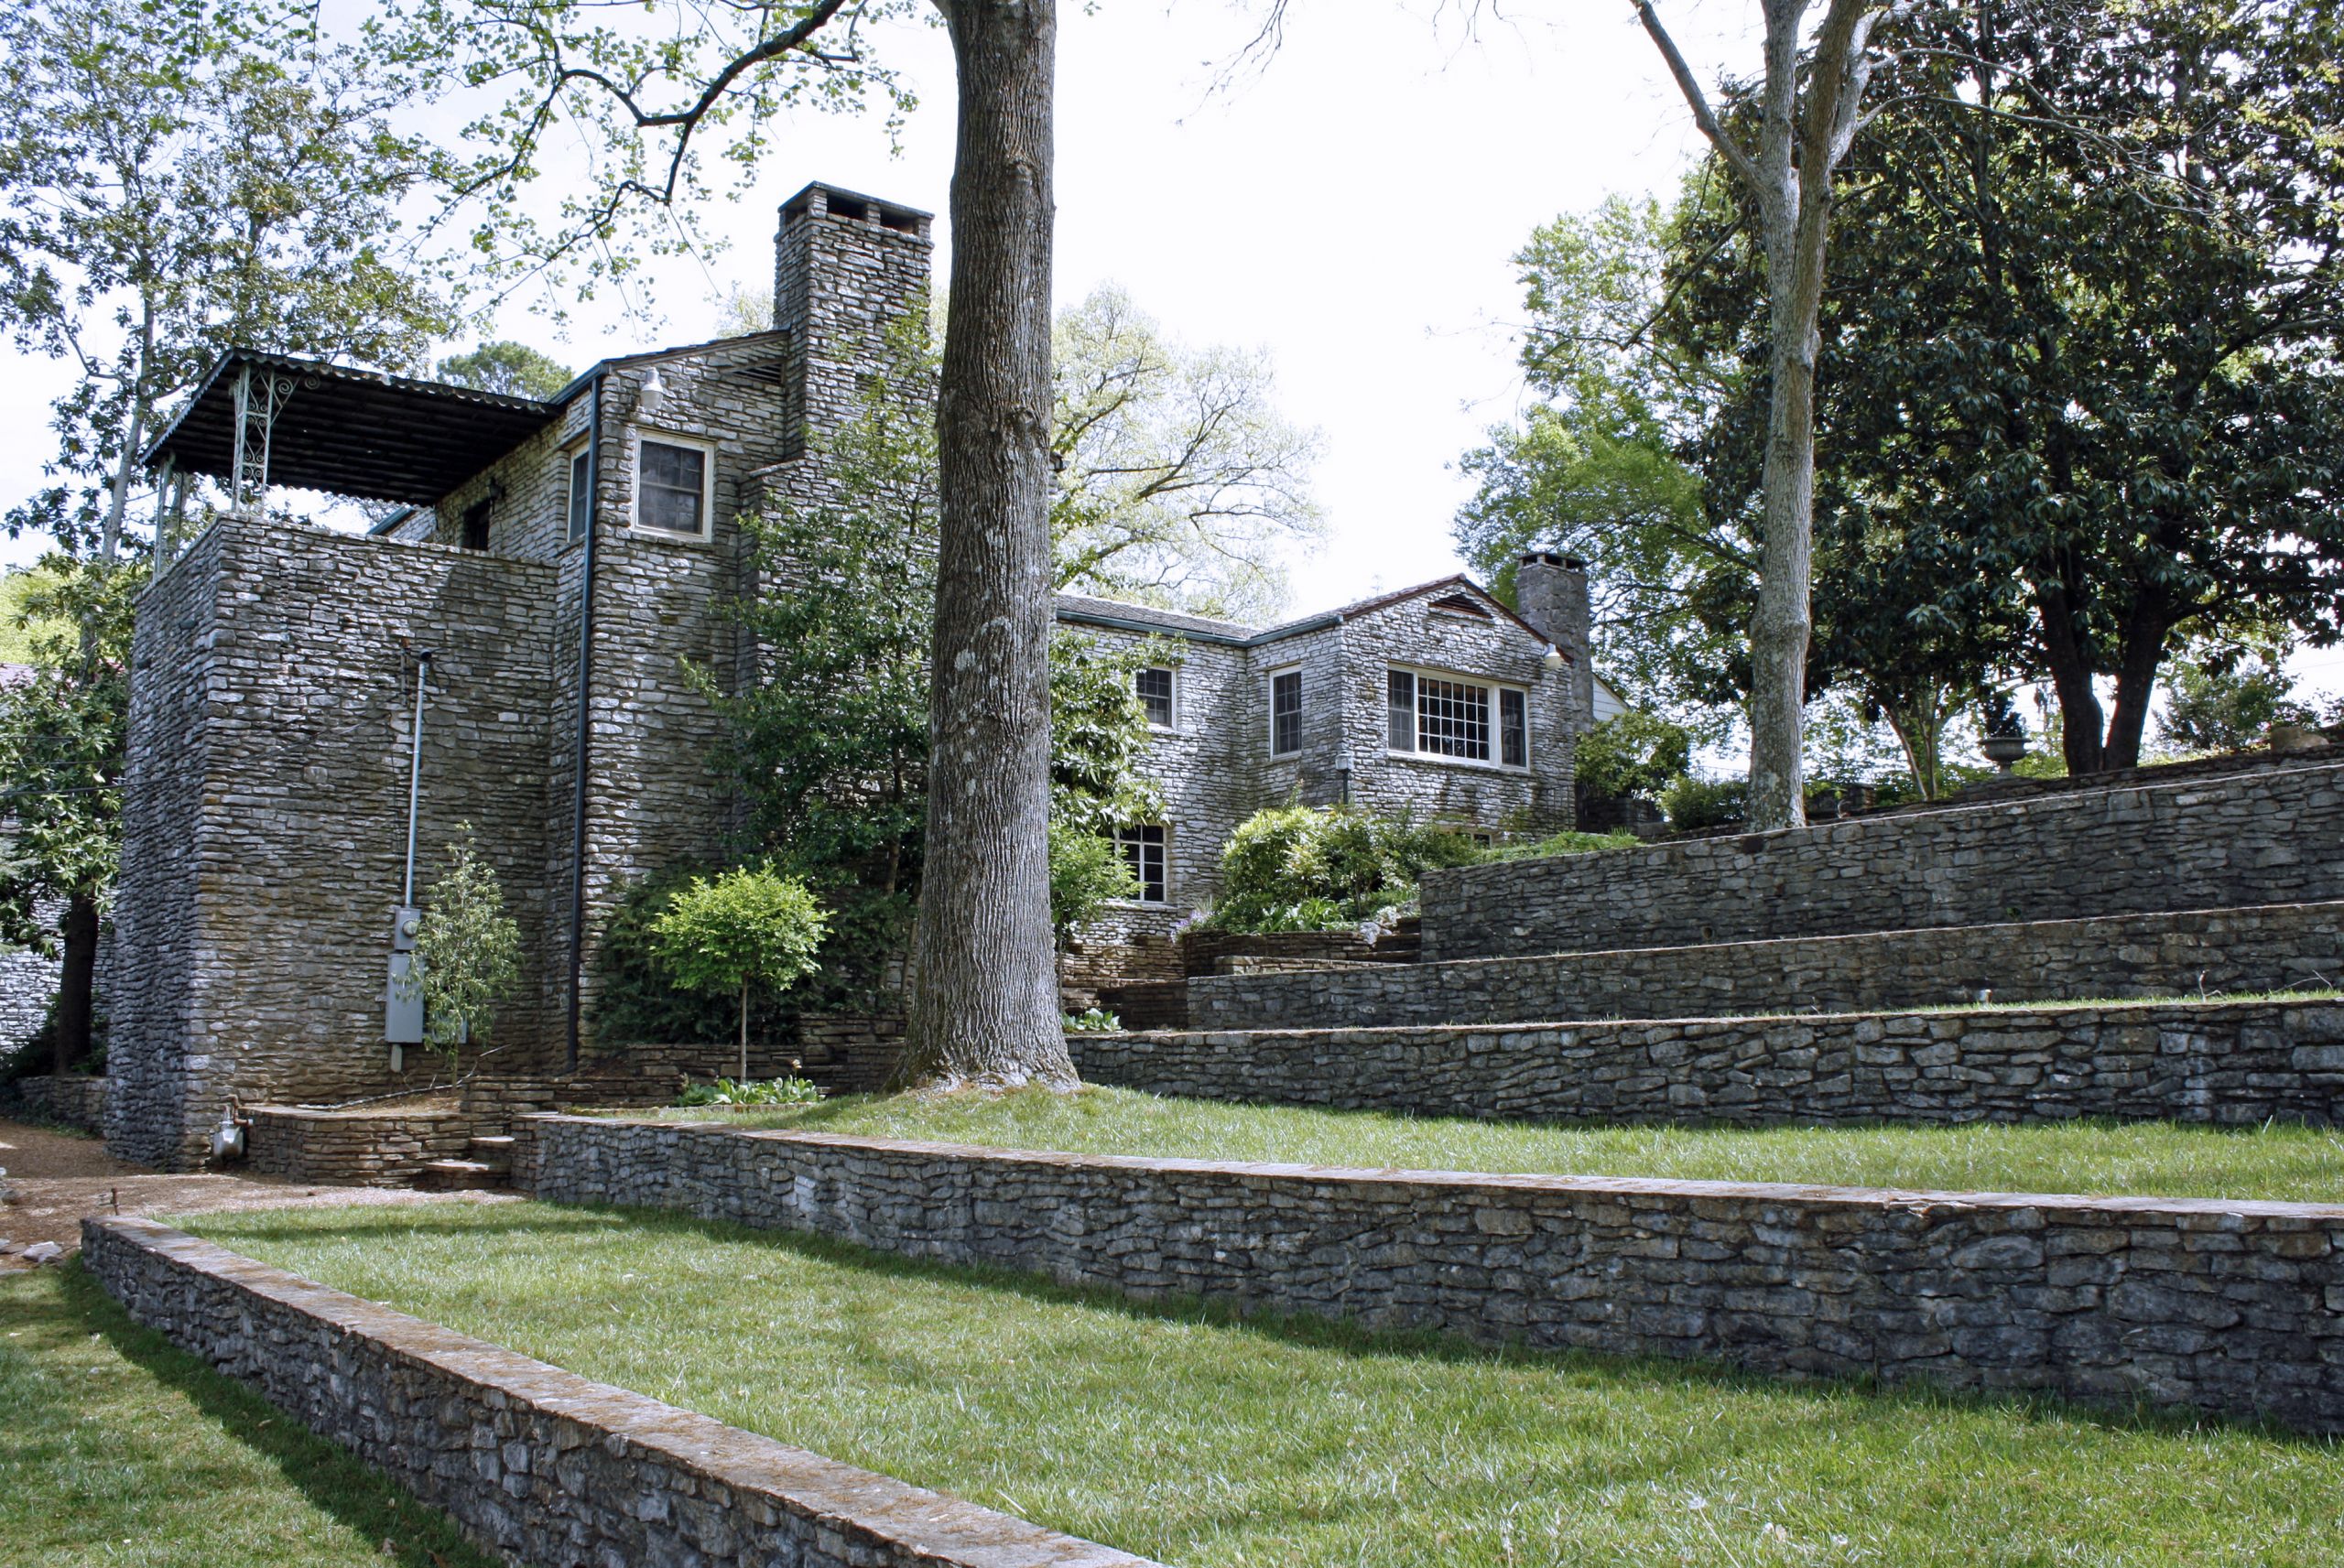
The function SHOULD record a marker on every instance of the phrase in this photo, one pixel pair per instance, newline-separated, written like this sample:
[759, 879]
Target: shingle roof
[1142, 617]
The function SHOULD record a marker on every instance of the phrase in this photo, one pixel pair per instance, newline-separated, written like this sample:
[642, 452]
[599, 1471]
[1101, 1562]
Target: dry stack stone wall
[2236, 1308]
[2262, 837]
[539, 1465]
[2272, 947]
[2234, 1064]
[68, 1101]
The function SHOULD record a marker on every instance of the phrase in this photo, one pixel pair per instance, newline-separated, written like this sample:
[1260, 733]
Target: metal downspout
[584, 725]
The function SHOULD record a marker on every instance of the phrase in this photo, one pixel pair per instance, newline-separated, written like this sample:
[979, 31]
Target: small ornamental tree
[750, 929]
[467, 949]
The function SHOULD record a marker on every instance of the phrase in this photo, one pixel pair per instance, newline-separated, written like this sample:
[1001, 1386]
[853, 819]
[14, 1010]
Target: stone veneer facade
[539, 1465]
[2227, 1307]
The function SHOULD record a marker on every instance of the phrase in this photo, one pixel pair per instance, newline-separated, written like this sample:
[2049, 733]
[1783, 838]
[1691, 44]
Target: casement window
[1155, 688]
[1434, 715]
[672, 481]
[578, 498]
[1143, 851]
[1285, 713]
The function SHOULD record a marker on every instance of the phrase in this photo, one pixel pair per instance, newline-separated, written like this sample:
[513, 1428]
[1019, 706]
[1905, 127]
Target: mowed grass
[115, 1448]
[1183, 1435]
[2279, 1160]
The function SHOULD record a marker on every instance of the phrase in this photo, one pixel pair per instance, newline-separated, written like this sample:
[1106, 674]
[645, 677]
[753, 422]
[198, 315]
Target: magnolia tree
[750, 929]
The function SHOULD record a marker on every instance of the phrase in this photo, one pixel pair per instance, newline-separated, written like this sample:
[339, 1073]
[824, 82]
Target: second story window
[580, 493]
[475, 535]
[1285, 713]
[671, 488]
[1155, 696]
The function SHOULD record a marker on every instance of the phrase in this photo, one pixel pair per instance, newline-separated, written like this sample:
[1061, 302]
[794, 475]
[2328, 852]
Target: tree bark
[2065, 652]
[984, 1003]
[76, 983]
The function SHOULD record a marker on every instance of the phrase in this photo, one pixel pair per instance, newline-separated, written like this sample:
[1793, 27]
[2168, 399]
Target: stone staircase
[487, 1166]
[1782, 977]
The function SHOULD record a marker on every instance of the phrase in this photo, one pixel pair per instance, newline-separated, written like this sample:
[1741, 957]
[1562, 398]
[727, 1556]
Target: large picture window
[1155, 688]
[1435, 716]
[671, 488]
[1142, 846]
[1285, 713]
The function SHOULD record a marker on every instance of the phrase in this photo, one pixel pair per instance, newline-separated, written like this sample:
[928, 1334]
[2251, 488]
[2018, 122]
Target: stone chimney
[1550, 592]
[845, 267]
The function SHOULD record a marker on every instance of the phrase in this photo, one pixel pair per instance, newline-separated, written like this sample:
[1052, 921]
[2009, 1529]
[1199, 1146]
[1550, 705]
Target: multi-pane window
[1142, 847]
[1285, 713]
[1446, 718]
[1155, 696]
[582, 492]
[671, 488]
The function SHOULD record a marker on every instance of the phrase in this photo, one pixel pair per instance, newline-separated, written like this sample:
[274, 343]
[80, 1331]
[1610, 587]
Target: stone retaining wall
[2229, 1307]
[538, 1464]
[375, 1146]
[68, 1101]
[2271, 949]
[2233, 1064]
[2264, 837]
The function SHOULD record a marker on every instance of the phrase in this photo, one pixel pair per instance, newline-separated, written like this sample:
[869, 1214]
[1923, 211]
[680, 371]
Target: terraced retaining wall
[2263, 837]
[68, 1100]
[2230, 1307]
[2230, 1063]
[2270, 949]
[372, 1146]
[539, 1465]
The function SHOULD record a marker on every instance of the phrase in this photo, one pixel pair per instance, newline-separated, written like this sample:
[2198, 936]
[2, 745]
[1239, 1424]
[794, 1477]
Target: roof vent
[1461, 604]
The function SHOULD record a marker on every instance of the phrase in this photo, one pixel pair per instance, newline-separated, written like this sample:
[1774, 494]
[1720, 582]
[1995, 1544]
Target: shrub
[1695, 804]
[1568, 842]
[1301, 868]
[750, 929]
[1093, 1021]
[467, 949]
[752, 1091]
[1087, 870]
[1636, 753]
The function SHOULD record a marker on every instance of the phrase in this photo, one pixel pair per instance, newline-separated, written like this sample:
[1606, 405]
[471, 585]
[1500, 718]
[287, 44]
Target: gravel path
[57, 1178]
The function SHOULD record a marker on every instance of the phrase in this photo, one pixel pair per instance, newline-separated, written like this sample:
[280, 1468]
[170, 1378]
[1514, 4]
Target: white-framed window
[1285, 713]
[1434, 715]
[577, 491]
[1147, 852]
[675, 484]
[1157, 693]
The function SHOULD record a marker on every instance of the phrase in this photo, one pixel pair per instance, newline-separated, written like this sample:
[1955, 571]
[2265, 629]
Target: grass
[116, 1448]
[1181, 1434]
[2280, 1161]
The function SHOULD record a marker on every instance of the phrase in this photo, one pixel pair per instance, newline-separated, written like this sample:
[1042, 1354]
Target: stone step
[493, 1149]
[460, 1175]
[2194, 952]
[2257, 837]
[2228, 1062]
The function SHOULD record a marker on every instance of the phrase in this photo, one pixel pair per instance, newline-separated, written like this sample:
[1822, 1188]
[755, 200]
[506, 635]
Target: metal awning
[351, 432]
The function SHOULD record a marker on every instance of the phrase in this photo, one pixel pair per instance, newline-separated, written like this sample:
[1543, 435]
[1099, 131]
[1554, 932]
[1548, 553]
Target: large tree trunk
[1780, 629]
[2070, 660]
[76, 983]
[984, 1002]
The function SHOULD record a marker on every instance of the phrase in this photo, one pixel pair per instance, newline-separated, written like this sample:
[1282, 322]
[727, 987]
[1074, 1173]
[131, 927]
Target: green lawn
[116, 1448]
[2280, 1160]
[1180, 1434]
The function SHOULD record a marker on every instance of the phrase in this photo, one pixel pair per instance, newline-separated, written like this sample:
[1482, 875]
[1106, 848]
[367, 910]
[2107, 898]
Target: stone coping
[884, 1521]
[1274, 1174]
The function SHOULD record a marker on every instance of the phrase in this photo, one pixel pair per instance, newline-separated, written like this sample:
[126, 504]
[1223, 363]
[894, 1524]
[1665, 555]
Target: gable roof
[1122, 616]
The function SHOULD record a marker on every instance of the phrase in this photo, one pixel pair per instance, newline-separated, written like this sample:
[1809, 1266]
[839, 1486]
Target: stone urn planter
[2003, 750]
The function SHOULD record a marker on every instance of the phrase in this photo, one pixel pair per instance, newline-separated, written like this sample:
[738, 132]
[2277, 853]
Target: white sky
[1352, 210]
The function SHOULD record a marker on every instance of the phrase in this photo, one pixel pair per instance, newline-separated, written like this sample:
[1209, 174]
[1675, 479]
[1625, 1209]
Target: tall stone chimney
[845, 266]
[1550, 592]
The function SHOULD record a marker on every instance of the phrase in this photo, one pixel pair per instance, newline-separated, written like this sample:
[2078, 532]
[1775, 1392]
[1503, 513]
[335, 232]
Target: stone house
[556, 564]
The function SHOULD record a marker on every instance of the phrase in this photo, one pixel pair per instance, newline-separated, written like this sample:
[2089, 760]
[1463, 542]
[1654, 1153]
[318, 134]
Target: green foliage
[1568, 842]
[1636, 753]
[1694, 804]
[791, 1090]
[749, 929]
[1087, 871]
[467, 949]
[1302, 868]
[1099, 730]
[2219, 703]
[1093, 1021]
[513, 369]
[21, 634]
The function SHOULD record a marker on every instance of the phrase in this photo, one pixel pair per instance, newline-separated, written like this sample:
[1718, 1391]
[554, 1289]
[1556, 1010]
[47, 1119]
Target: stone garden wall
[377, 1146]
[2228, 1307]
[2270, 949]
[2259, 837]
[2235, 1064]
[537, 1463]
[27, 981]
[68, 1101]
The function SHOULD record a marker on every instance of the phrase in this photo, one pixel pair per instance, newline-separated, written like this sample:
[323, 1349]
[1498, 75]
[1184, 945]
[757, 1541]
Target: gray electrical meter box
[402, 997]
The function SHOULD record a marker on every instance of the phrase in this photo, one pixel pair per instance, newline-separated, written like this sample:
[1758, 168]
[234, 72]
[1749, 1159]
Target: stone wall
[2262, 837]
[539, 1465]
[68, 1101]
[2234, 1064]
[27, 981]
[2276, 947]
[2226, 1307]
[374, 1146]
